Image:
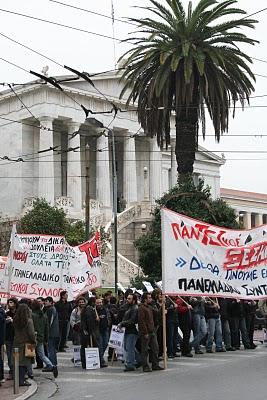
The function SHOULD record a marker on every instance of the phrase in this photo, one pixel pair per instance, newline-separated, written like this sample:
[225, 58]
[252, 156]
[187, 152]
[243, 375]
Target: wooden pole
[164, 332]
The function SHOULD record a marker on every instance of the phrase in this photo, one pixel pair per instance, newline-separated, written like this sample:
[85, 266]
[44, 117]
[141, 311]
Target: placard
[92, 358]
[77, 356]
[116, 337]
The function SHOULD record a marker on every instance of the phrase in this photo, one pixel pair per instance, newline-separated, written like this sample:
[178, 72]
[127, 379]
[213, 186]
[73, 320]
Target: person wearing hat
[53, 332]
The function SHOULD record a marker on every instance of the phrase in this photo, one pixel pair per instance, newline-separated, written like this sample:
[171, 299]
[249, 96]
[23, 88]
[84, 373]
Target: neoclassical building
[47, 143]
[251, 207]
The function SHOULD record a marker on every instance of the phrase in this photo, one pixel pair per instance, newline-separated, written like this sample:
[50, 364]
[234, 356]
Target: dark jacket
[211, 310]
[223, 303]
[63, 310]
[10, 327]
[130, 318]
[198, 305]
[172, 312]
[40, 323]
[2, 326]
[53, 324]
[235, 309]
[146, 319]
[88, 321]
[104, 323]
[23, 336]
[249, 309]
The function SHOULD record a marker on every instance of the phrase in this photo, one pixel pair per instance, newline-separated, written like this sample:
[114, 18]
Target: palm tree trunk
[186, 140]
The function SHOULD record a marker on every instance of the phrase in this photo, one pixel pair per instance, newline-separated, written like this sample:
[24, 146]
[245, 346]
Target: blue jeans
[102, 341]
[51, 348]
[9, 346]
[41, 354]
[200, 330]
[214, 328]
[131, 354]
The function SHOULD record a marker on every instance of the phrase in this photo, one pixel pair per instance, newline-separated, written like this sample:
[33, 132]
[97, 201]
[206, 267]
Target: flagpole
[113, 32]
[11, 253]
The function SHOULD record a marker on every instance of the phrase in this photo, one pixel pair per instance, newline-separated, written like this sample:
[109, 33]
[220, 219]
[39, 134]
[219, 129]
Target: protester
[250, 315]
[214, 326]
[199, 322]
[88, 329]
[23, 333]
[185, 321]
[171, 328]
[129, 321]
[75, 319]
[12, 305]
[156, 303]
[104, 324]
[53, 330]
[63, 317]
[2, 340]
[147, 334]
[225, 324]
[238, 323]
[40, 323]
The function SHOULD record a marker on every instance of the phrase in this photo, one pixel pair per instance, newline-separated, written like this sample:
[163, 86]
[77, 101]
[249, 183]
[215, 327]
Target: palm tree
[186, 63]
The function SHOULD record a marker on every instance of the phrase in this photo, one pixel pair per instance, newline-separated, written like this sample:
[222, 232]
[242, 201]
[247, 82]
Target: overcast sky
[244, 147]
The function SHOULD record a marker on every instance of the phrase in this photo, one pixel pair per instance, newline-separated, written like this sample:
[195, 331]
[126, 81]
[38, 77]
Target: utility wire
[61, 25]
[93, 12]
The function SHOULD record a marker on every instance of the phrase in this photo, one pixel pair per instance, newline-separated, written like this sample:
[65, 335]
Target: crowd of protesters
[214, 324]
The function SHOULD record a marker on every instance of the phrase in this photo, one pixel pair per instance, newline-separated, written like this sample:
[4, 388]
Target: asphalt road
[232, 375]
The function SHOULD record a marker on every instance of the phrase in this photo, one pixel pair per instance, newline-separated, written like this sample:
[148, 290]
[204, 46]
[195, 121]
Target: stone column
[103, 176]
[129, 172]
[174, 172]
[155, 169]
[74, 179]
[247, 220]
[46, 164]
[258, 219]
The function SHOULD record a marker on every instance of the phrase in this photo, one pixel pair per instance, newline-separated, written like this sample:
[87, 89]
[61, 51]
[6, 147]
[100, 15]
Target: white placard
[77, 356]
[116, 337]
[92, 358]
[148, 286]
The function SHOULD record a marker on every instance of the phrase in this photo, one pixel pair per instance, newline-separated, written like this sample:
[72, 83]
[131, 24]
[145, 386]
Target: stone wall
[5, 232]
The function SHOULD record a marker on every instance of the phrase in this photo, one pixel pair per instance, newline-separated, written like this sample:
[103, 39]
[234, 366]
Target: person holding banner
[185, 321]
[147, 334]
[214, 326]
[238, 323]
[199, 322]
[129, 321]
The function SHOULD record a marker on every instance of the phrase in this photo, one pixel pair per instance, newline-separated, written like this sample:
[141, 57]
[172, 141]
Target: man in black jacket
[214, 325]
[2, 338]
[129, 321]
[88, 328]
[63, 317]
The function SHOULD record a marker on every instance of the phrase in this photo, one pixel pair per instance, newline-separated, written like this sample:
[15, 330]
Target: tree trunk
[186, 140]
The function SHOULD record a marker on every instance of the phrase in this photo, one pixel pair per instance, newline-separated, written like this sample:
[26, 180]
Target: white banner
[198, 258]
[43, 265]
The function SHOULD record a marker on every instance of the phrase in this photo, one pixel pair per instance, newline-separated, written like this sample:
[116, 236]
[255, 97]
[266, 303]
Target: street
[234, 375]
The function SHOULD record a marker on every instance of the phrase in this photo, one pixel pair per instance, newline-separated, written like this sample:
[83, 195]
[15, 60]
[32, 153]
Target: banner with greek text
[43, 265]
[203, 259]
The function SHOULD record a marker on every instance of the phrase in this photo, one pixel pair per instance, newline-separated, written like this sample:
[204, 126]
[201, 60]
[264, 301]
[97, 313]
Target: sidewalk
[7, 392]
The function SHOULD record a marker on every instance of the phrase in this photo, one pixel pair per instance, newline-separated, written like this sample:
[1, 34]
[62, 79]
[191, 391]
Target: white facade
[59, 175]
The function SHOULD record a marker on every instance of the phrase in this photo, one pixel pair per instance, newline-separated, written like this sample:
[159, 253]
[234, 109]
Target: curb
[30, 392]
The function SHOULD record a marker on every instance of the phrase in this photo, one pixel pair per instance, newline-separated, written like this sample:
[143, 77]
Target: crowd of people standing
[219, 324]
